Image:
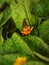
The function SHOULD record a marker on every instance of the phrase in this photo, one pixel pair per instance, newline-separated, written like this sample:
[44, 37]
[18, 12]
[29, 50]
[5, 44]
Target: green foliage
[20, 11]
[44, 30]
[37, 44]
[6, 16]
[1, 38]
[16, 44]
[40, 8]
[1, 14]
[34, 63]
[15, 15]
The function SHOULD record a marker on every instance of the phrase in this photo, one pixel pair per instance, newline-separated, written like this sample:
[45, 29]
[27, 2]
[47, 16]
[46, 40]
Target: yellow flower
[20, 61]
[27, 30]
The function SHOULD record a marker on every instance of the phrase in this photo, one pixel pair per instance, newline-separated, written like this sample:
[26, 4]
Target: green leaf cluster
[16, 15]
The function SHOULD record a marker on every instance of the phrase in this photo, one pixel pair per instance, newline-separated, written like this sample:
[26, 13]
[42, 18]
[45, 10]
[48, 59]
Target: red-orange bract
[27, 30]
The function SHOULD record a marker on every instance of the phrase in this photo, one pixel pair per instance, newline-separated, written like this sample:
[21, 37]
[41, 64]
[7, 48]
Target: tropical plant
[24, 32]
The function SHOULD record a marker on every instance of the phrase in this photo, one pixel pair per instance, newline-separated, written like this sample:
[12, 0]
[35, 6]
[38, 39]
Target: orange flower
[20, 61]
[27, 30]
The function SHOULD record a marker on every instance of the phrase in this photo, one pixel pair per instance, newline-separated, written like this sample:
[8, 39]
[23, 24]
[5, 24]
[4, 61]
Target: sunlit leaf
[20, 11]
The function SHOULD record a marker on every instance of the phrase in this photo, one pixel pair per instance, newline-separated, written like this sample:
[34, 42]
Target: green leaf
[20, 11]
[1, 38]
[34, 63]
[16, 44]
[37, 45]
[1, 14]
[44, 30]
[21, 45]
[6, 16]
